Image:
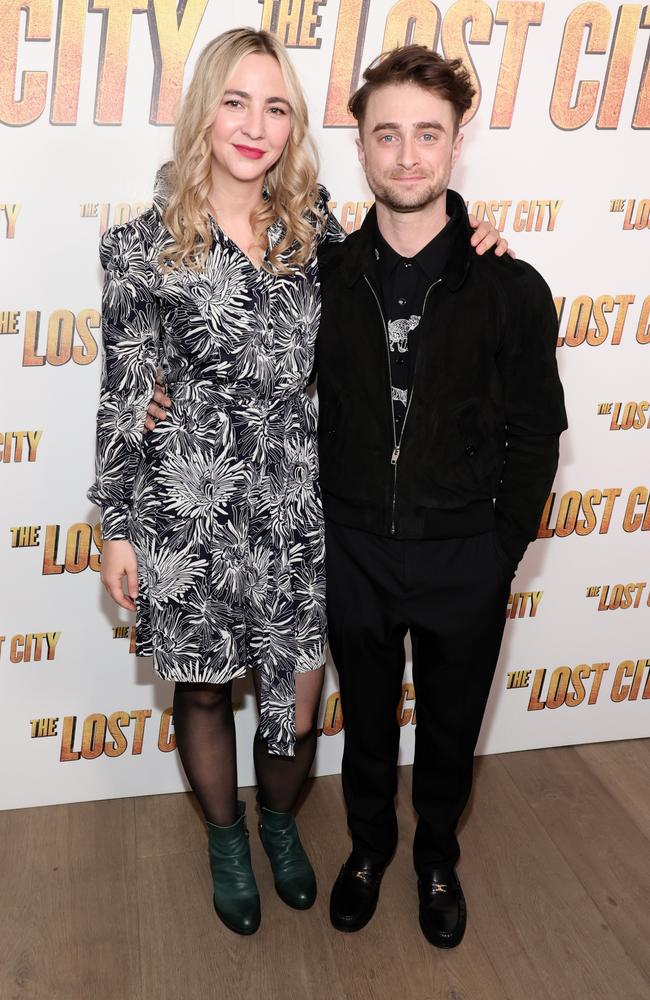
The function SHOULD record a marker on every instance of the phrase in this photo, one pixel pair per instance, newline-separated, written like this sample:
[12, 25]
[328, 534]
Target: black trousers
[451, 595]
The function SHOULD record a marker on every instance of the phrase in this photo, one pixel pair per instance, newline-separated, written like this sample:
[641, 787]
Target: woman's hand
[118, 561]
[159, 405]
[486, 237]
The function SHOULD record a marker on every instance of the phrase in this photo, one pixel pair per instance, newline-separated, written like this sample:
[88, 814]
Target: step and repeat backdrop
[556, 156]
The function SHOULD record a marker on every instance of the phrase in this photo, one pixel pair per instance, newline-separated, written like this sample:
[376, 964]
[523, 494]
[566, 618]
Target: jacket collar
[359, 248]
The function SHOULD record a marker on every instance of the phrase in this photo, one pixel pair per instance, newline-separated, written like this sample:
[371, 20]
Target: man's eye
[387, 138]
[428, 137]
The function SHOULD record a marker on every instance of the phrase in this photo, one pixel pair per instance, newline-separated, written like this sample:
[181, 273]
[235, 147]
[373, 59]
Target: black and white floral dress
[221, 501]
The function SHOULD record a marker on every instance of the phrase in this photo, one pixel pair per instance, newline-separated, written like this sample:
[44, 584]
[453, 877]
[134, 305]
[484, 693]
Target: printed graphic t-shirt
[404, 282]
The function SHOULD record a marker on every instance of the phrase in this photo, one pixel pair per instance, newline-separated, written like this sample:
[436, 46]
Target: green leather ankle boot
[236, 898]
[294, 877]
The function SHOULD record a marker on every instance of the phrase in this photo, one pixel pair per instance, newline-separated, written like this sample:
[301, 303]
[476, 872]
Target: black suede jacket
[486, 408]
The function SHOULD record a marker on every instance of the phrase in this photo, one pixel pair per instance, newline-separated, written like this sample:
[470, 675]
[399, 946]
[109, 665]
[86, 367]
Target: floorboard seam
[549, 833]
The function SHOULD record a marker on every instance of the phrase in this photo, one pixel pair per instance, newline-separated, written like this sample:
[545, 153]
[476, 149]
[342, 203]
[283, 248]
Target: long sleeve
[330, 237]
[130, 334]
[332, 231]
[534, 402]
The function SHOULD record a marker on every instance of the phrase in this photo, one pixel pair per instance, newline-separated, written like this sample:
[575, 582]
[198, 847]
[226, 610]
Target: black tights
[205, 737]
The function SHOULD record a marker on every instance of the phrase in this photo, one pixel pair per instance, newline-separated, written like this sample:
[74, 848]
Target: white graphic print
[398, 332]
[221, 500]
[399, 395]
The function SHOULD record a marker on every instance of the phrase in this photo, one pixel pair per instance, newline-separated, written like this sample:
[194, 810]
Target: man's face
[407, 146]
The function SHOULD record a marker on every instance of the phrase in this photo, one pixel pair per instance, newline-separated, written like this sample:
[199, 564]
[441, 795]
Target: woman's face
[252, 124]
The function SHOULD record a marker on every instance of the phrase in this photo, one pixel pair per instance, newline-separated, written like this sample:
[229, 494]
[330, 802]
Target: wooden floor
[113, 899]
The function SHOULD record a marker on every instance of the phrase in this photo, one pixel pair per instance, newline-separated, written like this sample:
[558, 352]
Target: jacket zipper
[397, 444]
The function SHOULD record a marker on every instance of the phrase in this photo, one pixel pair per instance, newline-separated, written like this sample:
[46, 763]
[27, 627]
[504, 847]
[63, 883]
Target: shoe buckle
[439, 886]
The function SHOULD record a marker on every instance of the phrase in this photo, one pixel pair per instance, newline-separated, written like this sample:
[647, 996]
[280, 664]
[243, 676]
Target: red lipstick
[250, 152]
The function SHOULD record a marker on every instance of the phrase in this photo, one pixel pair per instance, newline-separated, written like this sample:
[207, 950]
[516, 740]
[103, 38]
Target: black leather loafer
[355, 893]
[443, 913]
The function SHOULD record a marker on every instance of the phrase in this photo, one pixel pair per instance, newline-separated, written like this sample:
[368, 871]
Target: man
[440, 414]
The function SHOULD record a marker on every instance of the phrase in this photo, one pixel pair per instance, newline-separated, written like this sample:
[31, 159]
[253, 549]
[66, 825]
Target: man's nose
[408, 154]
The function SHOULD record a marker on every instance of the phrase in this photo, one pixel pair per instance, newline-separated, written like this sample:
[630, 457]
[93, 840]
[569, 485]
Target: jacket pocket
[477, 442]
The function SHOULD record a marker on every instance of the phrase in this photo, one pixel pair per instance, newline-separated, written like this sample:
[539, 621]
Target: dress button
[401, 302]
[470, 450]
[400, 361]
[407, 263]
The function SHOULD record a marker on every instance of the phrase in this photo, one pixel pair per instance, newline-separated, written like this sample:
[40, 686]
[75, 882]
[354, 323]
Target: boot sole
[296, 906]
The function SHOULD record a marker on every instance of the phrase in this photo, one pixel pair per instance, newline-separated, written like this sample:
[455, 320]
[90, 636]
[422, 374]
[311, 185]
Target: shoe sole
[452, 942]
[348, 928]
[444, 944]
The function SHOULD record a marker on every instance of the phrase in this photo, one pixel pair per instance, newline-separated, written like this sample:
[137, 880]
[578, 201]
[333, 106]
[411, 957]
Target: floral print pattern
[221, 501]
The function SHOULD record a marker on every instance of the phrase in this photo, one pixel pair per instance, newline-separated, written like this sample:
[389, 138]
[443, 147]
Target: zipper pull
[394, 456]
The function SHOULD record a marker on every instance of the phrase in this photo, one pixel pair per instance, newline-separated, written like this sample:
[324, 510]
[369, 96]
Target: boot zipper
[397, 444]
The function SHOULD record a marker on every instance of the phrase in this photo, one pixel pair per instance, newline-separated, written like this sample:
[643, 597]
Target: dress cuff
[115, 522]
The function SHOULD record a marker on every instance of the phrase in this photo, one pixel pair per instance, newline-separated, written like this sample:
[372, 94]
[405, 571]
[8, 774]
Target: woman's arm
[130, 333]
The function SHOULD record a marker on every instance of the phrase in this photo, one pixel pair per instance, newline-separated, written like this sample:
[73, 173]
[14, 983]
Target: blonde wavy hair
[291, 182]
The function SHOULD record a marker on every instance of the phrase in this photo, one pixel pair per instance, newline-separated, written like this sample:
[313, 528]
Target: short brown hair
[416, 64]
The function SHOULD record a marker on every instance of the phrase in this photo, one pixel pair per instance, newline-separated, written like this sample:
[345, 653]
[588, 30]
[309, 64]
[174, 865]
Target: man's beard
[399, 199]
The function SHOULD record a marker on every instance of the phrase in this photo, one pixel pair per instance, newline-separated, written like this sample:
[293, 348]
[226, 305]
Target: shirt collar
[431, 259]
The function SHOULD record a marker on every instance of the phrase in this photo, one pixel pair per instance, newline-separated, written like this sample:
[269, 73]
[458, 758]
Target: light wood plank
[466, 972]
[624, 768]
[69, 924]
[168, 824]
[546, 936]
[119, 894]
[602, 845]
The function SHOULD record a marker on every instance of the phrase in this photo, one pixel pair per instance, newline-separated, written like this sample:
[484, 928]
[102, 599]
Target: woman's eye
[277, 111]
[233, 103]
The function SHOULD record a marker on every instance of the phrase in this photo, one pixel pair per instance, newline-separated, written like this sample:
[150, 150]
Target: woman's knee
[305, 726]
[206, 697]
[308, 693]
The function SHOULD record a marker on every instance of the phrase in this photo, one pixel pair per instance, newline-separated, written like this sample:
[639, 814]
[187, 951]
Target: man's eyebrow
[269, 100]
[396, 126]
[434, 126]
[386, 126]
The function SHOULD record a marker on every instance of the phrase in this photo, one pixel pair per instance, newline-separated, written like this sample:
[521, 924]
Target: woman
[218, 284]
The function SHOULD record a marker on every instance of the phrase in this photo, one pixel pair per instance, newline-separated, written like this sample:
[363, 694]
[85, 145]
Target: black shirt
[404, 282]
